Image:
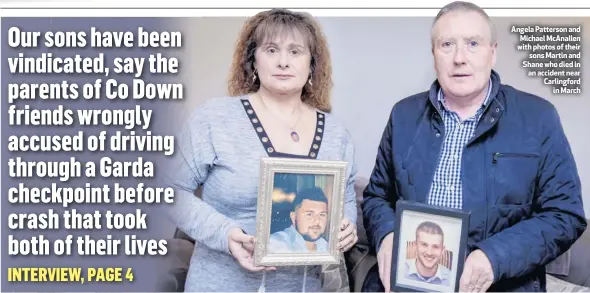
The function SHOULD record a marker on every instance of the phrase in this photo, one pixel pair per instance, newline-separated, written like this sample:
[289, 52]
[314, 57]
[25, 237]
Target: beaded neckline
[267, 144]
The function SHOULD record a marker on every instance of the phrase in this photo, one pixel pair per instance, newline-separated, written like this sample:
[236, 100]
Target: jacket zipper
[498, 155]
[442, 134]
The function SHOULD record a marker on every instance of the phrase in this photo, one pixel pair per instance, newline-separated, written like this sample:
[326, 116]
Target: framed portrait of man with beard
[430, 248]
[305, 231]
[299, 202]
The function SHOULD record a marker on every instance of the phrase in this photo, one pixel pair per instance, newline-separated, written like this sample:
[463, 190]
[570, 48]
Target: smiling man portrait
[430, 247]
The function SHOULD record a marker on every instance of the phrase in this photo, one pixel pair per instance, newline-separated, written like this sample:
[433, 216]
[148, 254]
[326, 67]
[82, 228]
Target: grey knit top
[220, 148]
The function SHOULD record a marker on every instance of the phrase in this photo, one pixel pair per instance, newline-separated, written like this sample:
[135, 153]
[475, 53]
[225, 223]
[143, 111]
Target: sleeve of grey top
[350, 209]
[189, 168]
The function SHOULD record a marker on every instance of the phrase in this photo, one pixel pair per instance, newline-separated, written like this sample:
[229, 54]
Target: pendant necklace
[294, 134]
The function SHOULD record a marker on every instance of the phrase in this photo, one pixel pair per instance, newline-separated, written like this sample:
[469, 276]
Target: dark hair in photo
[314, 194]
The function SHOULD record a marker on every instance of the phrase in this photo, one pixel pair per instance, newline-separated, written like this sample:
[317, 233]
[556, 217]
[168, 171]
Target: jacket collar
[496, 83]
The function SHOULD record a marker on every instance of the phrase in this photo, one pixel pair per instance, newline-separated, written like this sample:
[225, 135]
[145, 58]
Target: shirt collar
[295, 237]
[441, 100]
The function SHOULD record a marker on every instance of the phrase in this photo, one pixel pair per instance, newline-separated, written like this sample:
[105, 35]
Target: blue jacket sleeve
[558, 216]
[378, 196]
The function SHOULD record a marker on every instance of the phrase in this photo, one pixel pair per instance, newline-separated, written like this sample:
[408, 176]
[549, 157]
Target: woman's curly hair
[265, 25]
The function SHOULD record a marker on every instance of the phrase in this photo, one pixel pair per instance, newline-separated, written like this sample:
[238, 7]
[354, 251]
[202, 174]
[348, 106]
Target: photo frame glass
[300, 206]
[429, 249]
[300, 210]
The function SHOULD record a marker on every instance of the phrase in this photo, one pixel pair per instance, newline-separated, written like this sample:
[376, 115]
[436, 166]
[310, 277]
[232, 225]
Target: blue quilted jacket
[520, 181]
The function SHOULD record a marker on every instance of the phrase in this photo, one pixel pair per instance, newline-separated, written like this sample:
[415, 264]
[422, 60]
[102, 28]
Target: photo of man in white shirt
[430, 247]
[309, 219]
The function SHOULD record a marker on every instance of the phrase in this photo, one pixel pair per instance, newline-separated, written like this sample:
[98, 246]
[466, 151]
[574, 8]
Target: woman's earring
[254, 77]
[309, 81]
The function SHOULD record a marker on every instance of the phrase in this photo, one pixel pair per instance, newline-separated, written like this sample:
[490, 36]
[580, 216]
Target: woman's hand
[347, 237]
[241, 247]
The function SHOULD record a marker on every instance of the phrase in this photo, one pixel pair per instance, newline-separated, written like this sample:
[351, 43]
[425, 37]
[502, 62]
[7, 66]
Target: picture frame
[429, 248]
[300, 206]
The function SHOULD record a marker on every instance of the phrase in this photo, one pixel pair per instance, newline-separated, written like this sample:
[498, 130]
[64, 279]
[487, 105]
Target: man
[475, 144]
[309, 218]
[426, 266]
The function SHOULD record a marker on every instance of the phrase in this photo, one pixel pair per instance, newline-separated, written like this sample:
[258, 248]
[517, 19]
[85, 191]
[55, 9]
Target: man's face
[430, 248]
[310, 219]
[463, 53]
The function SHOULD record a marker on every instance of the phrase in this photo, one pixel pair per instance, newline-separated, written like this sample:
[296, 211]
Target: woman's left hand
[347, 237]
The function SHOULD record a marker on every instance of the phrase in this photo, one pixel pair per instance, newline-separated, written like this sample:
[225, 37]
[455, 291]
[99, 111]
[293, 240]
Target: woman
[278, 106]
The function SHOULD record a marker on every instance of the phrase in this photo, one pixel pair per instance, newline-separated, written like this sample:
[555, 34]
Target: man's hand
[384, 261]
[347, 237]
[241, 247]
[477, 275]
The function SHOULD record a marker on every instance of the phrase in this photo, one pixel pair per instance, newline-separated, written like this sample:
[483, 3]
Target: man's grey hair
[462, 6]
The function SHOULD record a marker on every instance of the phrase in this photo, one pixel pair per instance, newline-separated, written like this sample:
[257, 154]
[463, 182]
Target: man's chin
[311, 239]
[461, 91]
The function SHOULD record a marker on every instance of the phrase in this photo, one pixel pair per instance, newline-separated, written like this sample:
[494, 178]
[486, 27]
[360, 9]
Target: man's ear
[494, 52]
[292, 215]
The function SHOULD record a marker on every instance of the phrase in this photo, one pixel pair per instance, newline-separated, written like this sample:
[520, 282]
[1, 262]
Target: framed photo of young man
[429, 248]
[300, 204]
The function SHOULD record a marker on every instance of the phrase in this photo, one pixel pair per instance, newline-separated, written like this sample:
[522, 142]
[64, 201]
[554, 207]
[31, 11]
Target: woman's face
[283, 63]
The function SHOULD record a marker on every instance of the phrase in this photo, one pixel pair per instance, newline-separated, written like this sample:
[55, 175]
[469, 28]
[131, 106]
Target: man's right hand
[384, 261]
[241, 247]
